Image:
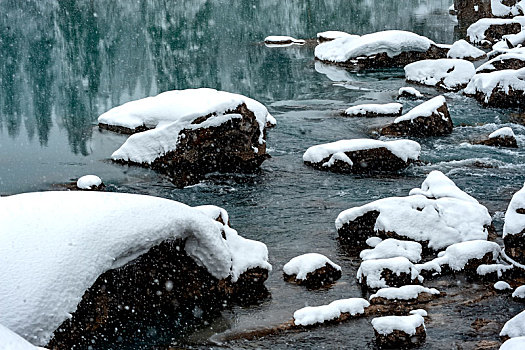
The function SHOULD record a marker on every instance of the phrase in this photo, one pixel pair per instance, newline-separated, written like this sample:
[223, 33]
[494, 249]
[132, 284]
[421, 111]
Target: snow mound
[388, 324]
[502, 132]
[408, 292]
[502, 285]
[517, 343]
[391, 42]
[307, 263]
[87, 182]
[426, 109]
[375, 110]
[47, 262]
[12, 341]
[391, 248]
[373, 241]
[476, 33]
[446, 73]
[519, 293]
[503, 80]
[515, 327]
[311, 315]
[438, 213]
[461, 49]
[514, 221]
[409, 91]
[372, 271]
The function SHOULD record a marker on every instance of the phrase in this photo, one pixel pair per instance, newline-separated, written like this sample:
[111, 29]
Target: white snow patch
[517, 343]
[341, 156]
[381, 109]
[421, 312]
[519, 292]
[426, 109]
[408, 324]
[307, 263]
[12, 341]
[373, 241]
[502, 132]
[410, 91]
[463, 50]
[476, 31]
[485, 269]
[311, 315]
[450, 74]
[514, 221]
[408, 292]
[54, 245]
[502, 285]
[390, 248]
[86, 182]
[372, 269]
[515, 327]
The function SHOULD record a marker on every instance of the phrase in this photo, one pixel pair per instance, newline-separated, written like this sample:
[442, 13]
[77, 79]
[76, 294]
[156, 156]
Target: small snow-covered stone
[408, 293]
[461, 49]
[399, 332]
[514, 228]
[511, 59]
[373, 241]
[501, 8]
[502, 286]
[332, 35]
[519, 293]
[420, 312]
[393, 272]
[504, 88]
[493, 271]
[515, 327]
[363, 155]
[390, 248]
[282, 40]
[430, 118]
[312, 315]
[503, 137]
[517, 343]
[312, 270]
[409, 92]
[469, 255]
[492, 30]
[90, 182]
[449, 74]
[375, 110]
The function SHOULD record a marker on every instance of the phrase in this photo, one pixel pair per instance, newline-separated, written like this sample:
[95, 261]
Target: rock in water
[189, 133]
[409, 294]
[505, 88]
[514, 228]
[430, 118]
[90, 183]
[312, 270]
[382, 273]
[374, 110]
[449, 74]
[503, 137]
[399, 332]
[511, 59]
[461, 49]
[490, 30]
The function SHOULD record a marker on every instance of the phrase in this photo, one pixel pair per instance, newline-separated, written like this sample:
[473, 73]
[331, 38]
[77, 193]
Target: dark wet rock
[431, 118]
[363, 156]
[503, 137]
[409, 334]
[470, 11]
[505, 88]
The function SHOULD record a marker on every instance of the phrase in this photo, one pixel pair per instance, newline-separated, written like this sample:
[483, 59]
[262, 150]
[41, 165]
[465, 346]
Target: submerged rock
[190, 133]
[374, 110]
[363, 156]
[312, 270]
[391, 48]
[430, 118]
[399, 332]
[448, 74]
[383, 273]
[514, 228]
[437, 215]
[490, 30]
[505, 88]
[503, 137]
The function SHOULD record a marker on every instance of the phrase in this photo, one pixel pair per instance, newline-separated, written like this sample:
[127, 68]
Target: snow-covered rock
[311, 315]
[515, 327]
[399, 332]
[505, 88]
[430, 118]
[12, 341]
[282, 40]
[409, 92]
[332, 35]
[514, 228]
[491, 30]
[517, 343]
[461, 49]
[408, 293]
[438, 214]
[363, 155]
[519, 293]
[313, 270]
[381, 49]
[511, 59]
[90, 182]
[421, 312]
[391, 248]
[502, 286]
[469, 11]
[49, 260]
[373, 241]
[383, 273]
[187, 133]
[494, 271]
[509, 42]
[503, 137]
[375, 110]
[499, 8]
[448, 74]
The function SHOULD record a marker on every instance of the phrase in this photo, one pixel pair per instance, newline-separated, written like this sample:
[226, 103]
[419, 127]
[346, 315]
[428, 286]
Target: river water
[64, 63]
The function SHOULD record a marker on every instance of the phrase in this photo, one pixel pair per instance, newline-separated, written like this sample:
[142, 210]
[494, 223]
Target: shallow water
[64, 63]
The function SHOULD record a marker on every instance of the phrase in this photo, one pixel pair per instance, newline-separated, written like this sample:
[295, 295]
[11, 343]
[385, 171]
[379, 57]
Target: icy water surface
[63, 63]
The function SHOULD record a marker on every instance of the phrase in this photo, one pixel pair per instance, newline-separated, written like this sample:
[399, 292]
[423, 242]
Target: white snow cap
[438, 213]
[457, 255]
[282, 39]
[514, 221]
[390, 248]
[426, 109]
[485, 269]
[372, 270]
[388, 108]
[476, 31]
[307, 263]
[311, 315]
[12, 341]
[463, 50]
[373, 241]
[88, 181]
[391, 42]
[334, 34]
[501, 10]
[48, 260]
[502, 285]
[503, 80]
[447, 73]
[404, 149]
[407, 292]
[420, 312]
[515, 327]
[410, 91]
[517, 343]
[408, 324]
[502, 132]
[169, 113]
[519, 292]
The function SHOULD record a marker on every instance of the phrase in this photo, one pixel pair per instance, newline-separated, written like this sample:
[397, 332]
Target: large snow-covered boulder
[490, 30]
[514, 228]
[438, 214]
[505, 88]
[363, 155]
[383, 273]
[461, 49]
[448, 74]
[399, 332]
[430, 118]
[187, 133]
[312, 270]
[382, 49]
[374, 110]
[335, 311]
[515, 327]
[511, 59]
[503, 137]
[70, 260]
[409, 294]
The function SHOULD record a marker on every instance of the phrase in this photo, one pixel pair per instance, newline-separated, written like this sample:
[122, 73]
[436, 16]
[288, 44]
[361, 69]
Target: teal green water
[62, 63]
